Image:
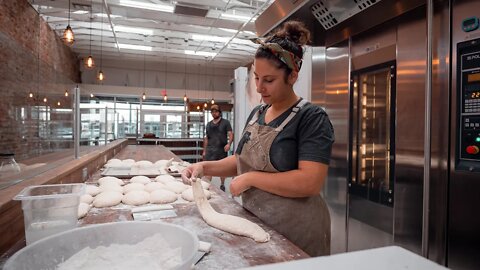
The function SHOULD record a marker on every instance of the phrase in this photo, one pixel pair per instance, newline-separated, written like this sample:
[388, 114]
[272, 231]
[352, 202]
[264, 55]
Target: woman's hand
[239, 185]
[192, 172]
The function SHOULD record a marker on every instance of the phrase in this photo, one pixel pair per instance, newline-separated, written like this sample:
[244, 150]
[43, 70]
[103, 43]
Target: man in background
[218, 139]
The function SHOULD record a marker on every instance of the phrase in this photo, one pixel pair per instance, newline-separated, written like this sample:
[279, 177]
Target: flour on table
[152, 253]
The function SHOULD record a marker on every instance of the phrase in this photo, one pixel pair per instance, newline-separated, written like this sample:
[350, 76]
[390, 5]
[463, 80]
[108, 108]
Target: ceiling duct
[331, 13]
[190, 10]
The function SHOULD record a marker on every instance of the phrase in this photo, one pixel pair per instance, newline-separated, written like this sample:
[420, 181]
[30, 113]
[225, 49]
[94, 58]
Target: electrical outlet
[85, 174]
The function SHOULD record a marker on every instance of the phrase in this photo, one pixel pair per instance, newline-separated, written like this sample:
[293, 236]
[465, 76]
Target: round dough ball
[177, 187]
[114, 163]
[163, 196]
[92, 190]
[143, 163]
[86, 198]
[133, 186]
[110, 179]
[164, 178]
[83, 209]
[128, 162]
[188, 194]
[153, 186]
[107, 199]
[111, 187]
[114, 160]
[140, 179]
[136, 197]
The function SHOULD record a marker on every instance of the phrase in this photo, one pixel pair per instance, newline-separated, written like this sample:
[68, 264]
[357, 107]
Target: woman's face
[270, 81]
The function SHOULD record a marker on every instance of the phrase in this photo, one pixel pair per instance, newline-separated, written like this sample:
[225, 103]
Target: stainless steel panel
[411, 66]
[464, 221]
[318, 76]
[337, 107]
[440, 133]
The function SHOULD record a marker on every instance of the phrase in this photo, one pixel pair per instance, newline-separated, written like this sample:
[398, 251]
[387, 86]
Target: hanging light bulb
[45, 99]
[144, 96]
[91, 95]
[100, 76]
[185, 98]
[165, 98]
[89, 63]
[68, 37]
[198, 107]
[30, 95]
[66, 93]
[212, 101]
[58, 103]
[205, 105]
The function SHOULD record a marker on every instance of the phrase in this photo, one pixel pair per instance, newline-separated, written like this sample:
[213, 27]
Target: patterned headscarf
[290, 59]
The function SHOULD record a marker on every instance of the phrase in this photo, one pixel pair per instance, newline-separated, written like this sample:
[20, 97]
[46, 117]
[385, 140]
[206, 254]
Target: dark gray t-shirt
[217, 134]
[308, 136]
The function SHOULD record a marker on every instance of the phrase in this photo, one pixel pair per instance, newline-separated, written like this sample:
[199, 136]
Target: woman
[282, 158]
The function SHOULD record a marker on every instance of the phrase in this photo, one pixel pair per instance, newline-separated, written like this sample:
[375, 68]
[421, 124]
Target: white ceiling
[148, 22]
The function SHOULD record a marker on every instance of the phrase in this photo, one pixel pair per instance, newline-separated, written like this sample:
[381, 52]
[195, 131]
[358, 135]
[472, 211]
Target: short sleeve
[316, 136]
[229, 126]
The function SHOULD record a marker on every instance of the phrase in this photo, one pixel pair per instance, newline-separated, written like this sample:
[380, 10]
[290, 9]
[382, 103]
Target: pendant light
[100, 75]
[165, 98]
[205, 105]
[185, 98]
[144, 96]
[66, 93]
[68, 37]
[89, 62]
[212, 84]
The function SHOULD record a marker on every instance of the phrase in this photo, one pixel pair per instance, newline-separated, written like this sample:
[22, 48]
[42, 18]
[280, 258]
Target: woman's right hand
[192, 172]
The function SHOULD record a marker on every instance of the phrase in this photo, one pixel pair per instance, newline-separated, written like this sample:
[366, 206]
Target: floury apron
[304, 221]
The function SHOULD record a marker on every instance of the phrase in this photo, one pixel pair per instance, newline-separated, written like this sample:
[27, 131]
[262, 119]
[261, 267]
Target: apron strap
[292, 114]
[255, 116]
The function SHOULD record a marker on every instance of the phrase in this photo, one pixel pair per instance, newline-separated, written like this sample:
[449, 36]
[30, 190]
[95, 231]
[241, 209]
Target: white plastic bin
[49, 252]
[49, 209]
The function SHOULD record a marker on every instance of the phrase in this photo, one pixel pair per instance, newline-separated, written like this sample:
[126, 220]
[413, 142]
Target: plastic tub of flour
[119, 245]
[49, 209]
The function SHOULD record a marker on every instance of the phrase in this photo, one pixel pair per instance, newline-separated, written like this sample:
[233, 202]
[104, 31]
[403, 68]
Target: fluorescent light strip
[210, 38]
[236, 17]
[105, 15]
[137, 4]
[134, 47]
[208, 54]
[137, 30]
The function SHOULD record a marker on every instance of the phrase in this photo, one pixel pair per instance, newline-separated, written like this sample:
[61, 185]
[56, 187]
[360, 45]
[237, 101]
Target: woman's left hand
[239, 185]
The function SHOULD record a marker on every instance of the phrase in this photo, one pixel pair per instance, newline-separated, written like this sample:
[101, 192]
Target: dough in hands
[187, 194]
[133, 186]
[86, 198]
[136, 197]
[228, 223]
[107, 199]
[92, 190]
[110, 179]
[83, 209]
[163, 196]
[140, 179]
[175, 186]
[150, 187]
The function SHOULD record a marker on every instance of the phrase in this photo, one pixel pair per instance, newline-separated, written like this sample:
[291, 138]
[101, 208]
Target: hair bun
[294, 31]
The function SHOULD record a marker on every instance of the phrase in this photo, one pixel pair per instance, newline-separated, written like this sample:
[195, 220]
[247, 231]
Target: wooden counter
[228, 251]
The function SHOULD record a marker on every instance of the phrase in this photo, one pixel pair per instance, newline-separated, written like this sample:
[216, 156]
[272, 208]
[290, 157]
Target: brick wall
[32, 59]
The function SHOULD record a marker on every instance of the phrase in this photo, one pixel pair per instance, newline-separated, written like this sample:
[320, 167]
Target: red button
[472, 149]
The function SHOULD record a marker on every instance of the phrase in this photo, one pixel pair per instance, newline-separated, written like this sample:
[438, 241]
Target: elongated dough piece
[228, 223]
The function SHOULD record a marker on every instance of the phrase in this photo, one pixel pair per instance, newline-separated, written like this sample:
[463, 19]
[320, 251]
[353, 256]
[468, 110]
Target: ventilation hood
[332, 21]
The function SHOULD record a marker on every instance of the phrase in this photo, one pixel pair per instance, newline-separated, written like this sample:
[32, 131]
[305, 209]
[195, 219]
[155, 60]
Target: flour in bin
[151, 253]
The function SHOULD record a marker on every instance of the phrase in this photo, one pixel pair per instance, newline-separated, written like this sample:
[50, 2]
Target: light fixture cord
[166, 40]
[91, 19]
[101, 42]
[68, 12]
[144, 65]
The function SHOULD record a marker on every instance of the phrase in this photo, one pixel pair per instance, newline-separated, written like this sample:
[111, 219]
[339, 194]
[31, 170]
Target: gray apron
[304, 221]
